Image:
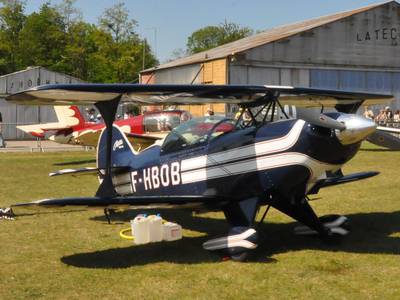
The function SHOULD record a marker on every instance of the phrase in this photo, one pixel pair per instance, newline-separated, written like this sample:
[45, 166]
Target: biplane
[236, 166]
[72, 128]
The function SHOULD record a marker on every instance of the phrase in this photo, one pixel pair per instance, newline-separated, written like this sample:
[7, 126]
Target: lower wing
[385, 138]
[339, 178]
[135, 202]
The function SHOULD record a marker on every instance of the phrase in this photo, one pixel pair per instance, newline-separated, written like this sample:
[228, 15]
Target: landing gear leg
[300, 210]
[263, 217]
[241, 238]
[337, 225]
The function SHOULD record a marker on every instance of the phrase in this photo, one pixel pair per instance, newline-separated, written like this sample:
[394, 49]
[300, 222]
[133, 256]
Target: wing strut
[107, 110]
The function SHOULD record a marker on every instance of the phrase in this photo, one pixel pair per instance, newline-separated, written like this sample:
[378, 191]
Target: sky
[167, 24]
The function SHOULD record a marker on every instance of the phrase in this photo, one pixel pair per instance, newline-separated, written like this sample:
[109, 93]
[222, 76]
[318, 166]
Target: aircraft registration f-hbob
[236, 166]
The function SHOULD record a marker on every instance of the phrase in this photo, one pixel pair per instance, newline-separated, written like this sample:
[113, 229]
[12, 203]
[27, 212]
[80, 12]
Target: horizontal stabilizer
[74, 172]
[87, 171]
[41, 128]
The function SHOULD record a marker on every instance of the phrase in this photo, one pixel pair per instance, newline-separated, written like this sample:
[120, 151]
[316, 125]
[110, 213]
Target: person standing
[90, 115]
[209, 112]
[2, 142]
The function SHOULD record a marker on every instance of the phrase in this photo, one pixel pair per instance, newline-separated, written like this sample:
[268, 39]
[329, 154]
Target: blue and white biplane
[232, 165]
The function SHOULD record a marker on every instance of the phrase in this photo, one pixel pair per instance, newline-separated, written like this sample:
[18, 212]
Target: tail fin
[70, 116]
[67, 116]
[122, 153]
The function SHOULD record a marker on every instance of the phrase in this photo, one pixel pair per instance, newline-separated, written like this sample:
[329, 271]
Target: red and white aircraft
[72, 128]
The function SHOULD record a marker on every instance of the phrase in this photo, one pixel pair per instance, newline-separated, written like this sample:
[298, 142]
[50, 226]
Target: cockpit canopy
[160, 121]
[197, 131]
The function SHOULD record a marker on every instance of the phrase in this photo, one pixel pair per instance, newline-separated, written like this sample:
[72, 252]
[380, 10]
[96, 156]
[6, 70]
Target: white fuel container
[140, 229]
[155, 228]
[171, 231]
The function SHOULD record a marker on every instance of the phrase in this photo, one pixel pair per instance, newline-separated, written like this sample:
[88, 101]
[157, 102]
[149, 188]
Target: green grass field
[77, 255]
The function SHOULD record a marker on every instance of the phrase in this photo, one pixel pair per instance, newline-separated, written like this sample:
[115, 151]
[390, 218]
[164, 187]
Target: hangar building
[13, 114]
[357, 50]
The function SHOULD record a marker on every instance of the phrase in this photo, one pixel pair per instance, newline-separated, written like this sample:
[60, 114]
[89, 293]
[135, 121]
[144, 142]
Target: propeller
[320, 119]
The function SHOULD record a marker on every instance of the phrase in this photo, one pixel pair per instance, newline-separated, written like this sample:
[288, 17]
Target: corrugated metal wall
[253, 74]
[181, 75]
[366, 40]
[22, 114]
[256, 74]
[367, 81]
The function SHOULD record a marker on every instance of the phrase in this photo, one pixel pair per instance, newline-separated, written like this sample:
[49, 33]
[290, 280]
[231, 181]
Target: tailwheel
[338, 226]
[236, 245]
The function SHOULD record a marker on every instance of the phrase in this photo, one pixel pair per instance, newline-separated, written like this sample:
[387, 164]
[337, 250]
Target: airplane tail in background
[122, 152]
[70, 116]
[67, 116]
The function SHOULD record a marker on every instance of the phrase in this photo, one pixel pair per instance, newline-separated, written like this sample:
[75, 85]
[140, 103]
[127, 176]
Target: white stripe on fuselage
[316, 168]
[254, 158]
[249, 151]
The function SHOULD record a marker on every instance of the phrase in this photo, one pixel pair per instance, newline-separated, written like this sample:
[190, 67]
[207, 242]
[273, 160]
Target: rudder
[122, 153]
[70, 116]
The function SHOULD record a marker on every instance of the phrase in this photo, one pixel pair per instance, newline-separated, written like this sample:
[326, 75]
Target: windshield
[196, 132]
[164, 121]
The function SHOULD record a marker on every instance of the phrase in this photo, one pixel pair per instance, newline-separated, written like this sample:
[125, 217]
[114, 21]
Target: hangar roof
[265, 37]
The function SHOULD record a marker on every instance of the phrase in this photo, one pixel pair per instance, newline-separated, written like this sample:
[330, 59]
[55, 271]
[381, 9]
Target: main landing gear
[236, 244]
[242, 237]
[336, 225]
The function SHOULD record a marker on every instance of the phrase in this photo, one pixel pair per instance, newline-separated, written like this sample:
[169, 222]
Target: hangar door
[214, 72]
[368, 81]
[211, 72]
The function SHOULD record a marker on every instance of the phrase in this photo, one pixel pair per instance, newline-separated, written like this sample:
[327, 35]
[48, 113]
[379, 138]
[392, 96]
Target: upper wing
[142, 94]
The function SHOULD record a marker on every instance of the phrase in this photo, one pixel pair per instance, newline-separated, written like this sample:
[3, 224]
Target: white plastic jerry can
[140, 230]
[155, 228]
[171, 231]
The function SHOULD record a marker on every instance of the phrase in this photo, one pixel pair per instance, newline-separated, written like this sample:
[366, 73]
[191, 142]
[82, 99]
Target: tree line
[56, 37]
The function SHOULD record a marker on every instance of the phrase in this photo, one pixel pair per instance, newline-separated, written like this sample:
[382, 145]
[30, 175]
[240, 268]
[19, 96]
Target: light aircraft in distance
[72, 128]
[217, 163]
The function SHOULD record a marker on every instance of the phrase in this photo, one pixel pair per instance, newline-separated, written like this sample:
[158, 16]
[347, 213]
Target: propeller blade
[321, 120]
